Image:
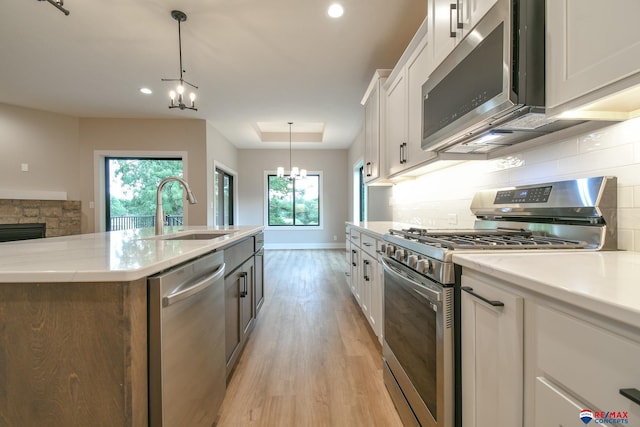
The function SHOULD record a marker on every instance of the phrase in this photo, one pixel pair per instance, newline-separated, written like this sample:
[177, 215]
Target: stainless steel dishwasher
[186, 343]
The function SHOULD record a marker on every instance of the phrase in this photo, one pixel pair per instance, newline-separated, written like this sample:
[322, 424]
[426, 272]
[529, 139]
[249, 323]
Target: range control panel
[523, 195]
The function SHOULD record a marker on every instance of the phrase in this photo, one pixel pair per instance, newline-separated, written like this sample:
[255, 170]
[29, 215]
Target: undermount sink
[198, 235]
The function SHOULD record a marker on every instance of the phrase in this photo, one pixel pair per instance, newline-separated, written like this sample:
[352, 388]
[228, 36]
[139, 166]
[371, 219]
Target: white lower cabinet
[492, 354]
[535, 361]
[365, 278]
[581, 363]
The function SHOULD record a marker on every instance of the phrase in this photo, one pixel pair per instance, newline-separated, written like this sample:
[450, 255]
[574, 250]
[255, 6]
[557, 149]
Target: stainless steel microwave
[489, 92]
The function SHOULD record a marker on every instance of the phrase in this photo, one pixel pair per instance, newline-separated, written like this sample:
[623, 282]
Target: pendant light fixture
[177, 95]
[295, 172]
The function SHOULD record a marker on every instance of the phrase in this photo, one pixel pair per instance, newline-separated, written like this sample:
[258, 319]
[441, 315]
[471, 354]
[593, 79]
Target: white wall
[333, 199]
[219, 152]
[614, 150]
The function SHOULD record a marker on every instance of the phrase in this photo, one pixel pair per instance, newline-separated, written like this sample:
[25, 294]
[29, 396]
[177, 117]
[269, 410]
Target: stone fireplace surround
[62, 217]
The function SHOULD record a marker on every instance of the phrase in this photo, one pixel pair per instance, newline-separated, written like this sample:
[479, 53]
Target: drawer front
[368, 244]
[590, 361]
[553, 407]
[355, 236]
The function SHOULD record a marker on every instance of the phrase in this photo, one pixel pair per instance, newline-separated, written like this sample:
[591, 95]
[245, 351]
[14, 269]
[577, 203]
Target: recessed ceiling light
[146, 90]
[335, 10]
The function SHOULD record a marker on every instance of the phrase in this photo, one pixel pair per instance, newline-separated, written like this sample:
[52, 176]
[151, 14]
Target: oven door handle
[424, 291]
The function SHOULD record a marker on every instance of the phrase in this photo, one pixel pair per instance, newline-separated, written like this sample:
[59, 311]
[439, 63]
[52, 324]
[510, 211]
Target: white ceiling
[254, 60]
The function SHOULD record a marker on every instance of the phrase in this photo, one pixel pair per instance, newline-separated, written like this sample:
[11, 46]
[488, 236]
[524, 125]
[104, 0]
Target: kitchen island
[73, 322]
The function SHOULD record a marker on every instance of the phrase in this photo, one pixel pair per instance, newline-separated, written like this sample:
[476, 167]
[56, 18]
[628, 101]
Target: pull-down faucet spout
[159, 214]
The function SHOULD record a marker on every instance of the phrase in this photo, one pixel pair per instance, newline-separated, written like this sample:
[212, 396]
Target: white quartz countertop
[113, 256]
[380, 228]
[603, 282]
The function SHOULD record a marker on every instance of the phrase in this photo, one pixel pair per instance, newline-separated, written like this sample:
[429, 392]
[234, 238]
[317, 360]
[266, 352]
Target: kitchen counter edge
[115, 256]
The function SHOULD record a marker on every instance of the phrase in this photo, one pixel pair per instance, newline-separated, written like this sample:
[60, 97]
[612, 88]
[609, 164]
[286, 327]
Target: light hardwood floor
[310, 361]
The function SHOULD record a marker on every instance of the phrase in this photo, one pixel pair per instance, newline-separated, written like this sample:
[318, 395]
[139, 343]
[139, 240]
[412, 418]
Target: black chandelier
[58, 4]
[179, 91]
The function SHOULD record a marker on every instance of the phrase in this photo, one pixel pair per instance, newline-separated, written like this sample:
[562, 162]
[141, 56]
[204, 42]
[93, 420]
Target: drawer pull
[633, 394]
[367, 243]
[494, 303]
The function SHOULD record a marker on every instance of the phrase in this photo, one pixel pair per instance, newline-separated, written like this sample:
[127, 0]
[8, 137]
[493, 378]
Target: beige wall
[333, 199]
[140, 137]
[48, 143]
[61, 153]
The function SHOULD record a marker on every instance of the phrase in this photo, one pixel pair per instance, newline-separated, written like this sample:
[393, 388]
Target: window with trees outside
[293, 202]
[130, 192]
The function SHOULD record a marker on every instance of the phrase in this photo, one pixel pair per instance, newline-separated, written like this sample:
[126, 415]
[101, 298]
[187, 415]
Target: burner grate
[486, 239]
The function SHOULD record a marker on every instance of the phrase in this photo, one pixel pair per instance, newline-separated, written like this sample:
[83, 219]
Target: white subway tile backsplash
[625, 239]
[614, 150]
[625, 197]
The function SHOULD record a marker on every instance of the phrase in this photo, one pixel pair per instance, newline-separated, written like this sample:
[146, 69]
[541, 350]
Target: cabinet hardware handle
[367, 244]
[365, 272]
[369, 172]
[244, 292]
[353, 252]
[633, 394]
[452, 31]
[401, 153]
[494, 303]
[459, 11]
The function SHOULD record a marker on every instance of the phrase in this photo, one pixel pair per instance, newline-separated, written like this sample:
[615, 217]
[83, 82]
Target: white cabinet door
[372, 289]
[355, 271]
[419, 66]
[372, 136]
[396, 127]
[471, 11]
[492, 355]
[588, 362]
[444, 29]
[590, 44]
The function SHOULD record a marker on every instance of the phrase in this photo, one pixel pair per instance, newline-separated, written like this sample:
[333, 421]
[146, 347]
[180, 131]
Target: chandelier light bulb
[303, 173]
[280, 172]
[180, 89]
[192, 96]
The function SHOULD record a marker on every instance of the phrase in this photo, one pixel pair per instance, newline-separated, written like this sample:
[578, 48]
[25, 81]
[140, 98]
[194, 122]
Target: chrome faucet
[159, 214]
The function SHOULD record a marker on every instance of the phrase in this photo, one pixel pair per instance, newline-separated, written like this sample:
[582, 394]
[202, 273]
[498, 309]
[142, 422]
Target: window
[293, 202]
[130, 192]
[223, 193]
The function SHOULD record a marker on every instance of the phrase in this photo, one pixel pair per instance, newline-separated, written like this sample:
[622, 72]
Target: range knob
[399, 254]
[383, 248]
[412, 261]
[390, 251]
[424, 266]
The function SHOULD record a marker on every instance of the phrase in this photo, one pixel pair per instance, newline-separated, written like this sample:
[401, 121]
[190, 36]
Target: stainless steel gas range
[422, 296]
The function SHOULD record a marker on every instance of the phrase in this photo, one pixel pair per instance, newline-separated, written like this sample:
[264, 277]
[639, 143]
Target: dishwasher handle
[194, 288]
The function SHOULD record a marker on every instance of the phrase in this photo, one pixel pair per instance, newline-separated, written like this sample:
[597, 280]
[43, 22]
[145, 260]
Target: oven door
[418, 346]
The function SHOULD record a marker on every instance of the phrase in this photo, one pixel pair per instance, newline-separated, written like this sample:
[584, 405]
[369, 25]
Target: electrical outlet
[24, 167]
[335, 238]
[453, 219]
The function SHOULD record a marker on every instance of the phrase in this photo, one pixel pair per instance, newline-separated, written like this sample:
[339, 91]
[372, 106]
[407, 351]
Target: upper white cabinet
[404, 106]
[374, 107]
[452, 20]
[592, 52]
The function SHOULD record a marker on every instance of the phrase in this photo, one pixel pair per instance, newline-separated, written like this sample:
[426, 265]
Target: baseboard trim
[281, 246]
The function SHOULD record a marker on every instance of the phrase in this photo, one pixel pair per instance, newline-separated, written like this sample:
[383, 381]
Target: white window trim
[293, 227]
